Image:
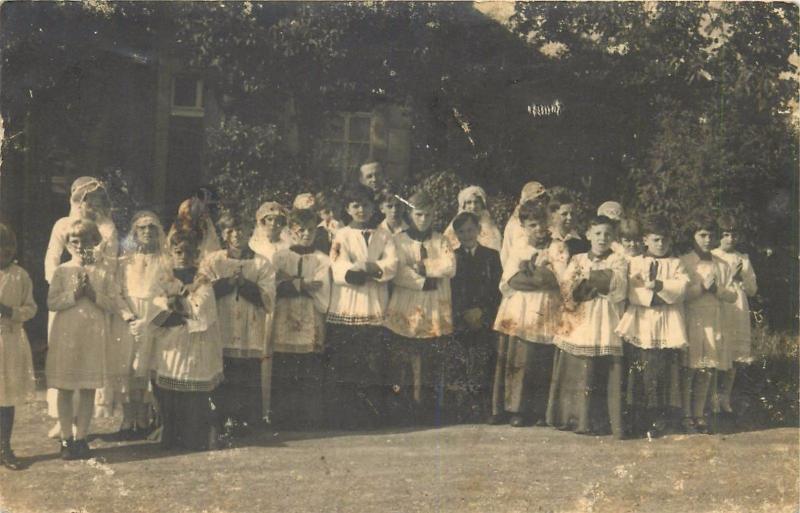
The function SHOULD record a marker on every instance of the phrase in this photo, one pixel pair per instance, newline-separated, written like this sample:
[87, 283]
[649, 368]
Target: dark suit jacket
[476, 284]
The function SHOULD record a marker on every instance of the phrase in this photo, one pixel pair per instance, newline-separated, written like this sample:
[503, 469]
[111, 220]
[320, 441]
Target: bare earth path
[451, 469]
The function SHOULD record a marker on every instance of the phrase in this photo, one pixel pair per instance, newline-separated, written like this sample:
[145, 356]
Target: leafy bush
[444, 187]
[766, 392]
[253, 166]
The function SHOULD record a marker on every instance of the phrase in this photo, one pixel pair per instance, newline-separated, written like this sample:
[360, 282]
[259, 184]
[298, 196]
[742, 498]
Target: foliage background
[670, 107]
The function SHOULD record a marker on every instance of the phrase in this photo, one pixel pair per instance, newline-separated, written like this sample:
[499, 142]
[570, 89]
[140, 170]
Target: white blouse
[16, 364]
[144, 276]
[242, 325]
[189, 357]
[417, 313]
[299, 325]
[80, 333]
[736, 316]
[587, 327]
[360, 305]
[661, 326]
[704, 321]
[529, 315]
[512, 233]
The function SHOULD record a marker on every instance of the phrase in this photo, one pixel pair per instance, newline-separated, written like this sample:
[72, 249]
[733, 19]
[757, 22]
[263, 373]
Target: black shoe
[67, 450]
[517, 421]
[82, 451]
[540, 423]
[125, 434]
[9, 460]
[139, 433]
[702, 426]
[688, 425]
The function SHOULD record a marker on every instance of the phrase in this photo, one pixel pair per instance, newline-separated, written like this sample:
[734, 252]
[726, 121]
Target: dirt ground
[452, 469]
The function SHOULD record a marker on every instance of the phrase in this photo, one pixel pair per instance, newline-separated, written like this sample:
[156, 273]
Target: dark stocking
[6, 426]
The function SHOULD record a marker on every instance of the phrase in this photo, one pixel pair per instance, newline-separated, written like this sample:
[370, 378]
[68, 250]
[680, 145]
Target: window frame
[195, 111]
[347, 140]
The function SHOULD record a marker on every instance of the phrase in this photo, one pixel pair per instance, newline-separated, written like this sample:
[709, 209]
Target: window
[187, 96]
[345, 142]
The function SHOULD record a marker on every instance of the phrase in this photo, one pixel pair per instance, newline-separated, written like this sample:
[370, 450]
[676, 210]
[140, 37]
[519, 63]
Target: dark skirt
[469, 361]
[652, 389]
[297, 385]
[355, 380]
[416, 376]
[586, 394]
[522, 377]
[186, 419]
[239, 395]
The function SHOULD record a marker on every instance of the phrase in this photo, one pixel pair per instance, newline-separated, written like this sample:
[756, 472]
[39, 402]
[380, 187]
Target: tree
[702, 92]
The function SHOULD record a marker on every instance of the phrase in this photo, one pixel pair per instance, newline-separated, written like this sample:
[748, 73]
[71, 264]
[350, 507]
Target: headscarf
[531, 191]
[140, 218]
[145, 272]
[610, 209]
[490, 235]
[513, 229]
[259, 242]
[304, 201]
[80, 188]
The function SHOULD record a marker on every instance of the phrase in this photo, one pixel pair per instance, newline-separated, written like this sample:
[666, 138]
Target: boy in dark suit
[475, 297]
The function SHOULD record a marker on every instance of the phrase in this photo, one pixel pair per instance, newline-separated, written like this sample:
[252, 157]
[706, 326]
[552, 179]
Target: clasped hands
[84, 288]
[370, 269]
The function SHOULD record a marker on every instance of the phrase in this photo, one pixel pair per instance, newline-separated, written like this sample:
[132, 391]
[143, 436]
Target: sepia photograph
[399, 256]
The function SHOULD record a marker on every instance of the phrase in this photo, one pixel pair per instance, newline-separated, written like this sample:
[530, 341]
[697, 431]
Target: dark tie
[366, 234]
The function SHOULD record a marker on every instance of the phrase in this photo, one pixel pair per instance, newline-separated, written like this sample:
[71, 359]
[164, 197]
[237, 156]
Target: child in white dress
[88, 200]
[736, 316]
[143, 270]
[298, 333]
[244, 288]
[268, 238]
[188, 351]
[420, 310]
[653, 328]
[588, 363]
[82, 294]
[710, 286]
[16, 366]
[526, 322]
[363, 261]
